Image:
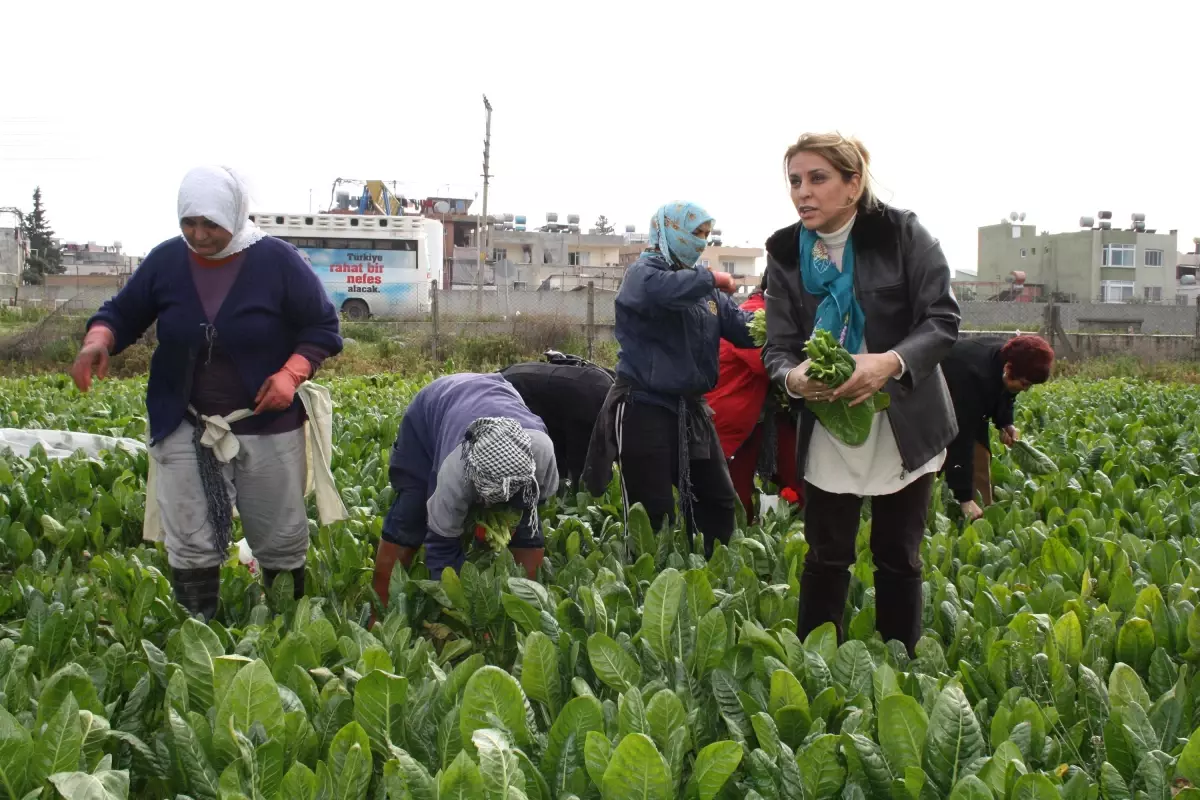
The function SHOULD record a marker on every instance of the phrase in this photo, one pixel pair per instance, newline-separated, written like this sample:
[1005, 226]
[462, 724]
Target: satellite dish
[441, 207]
[1012, 217]
[1022, 218]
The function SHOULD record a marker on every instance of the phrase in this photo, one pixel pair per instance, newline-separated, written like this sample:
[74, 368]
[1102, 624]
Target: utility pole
[485, 244]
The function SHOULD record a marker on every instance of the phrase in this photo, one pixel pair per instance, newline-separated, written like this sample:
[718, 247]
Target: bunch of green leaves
[493, 526]
[832, 365]
[758, 327]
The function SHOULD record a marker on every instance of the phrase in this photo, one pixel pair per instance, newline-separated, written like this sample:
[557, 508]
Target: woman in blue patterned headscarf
[671, 314]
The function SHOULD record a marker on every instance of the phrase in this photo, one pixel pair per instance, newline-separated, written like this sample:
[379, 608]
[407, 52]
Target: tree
[44, 256]
[603, 226]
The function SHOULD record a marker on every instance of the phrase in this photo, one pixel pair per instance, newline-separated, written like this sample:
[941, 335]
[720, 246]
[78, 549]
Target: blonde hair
[847, 155]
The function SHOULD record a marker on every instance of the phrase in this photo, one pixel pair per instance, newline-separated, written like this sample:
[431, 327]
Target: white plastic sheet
[60, 444]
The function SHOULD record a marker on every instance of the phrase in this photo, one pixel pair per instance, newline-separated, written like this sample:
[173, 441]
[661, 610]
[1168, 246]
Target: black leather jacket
[902, 282]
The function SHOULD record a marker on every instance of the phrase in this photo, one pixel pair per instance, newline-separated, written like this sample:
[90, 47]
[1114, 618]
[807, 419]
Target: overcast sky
[970, 110]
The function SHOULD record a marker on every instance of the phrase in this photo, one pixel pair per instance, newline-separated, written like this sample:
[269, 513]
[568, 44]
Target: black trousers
[649, 456]
[831, 524]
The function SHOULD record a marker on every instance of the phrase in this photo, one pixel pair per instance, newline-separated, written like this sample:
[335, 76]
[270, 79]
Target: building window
[1033, 251]
[1120, 255]
[499, 254]
[1116, 291]
[577, 258]
[702, 263]
[1023, 252]
[520, 286]
[1154, 258]
[1153, 294]
[729, 266]
[1181, 299]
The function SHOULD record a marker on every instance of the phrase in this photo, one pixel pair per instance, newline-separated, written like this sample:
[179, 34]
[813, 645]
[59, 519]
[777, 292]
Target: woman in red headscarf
[756, 429]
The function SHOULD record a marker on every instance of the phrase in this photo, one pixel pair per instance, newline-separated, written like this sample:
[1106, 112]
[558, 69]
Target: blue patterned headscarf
[839, 311]
[671, 232]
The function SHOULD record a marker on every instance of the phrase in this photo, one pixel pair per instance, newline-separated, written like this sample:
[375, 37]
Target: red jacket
[742, 386]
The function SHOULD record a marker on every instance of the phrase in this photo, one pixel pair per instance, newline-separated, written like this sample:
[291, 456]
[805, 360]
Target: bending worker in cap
[467, 440]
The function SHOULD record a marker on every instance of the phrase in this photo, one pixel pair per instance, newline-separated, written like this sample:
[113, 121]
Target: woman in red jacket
[757, 433]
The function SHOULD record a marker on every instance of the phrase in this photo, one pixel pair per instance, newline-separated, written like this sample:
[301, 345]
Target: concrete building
[1097, 264]
[1187, 281]
[94, 259]
[14, 252]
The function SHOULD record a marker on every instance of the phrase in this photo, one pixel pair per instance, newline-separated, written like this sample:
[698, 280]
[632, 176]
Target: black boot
[197, 590]
[823, 599]
[269, 576]
[899, 603]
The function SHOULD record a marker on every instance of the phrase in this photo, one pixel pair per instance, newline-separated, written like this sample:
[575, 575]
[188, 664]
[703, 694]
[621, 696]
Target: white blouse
[874, 467]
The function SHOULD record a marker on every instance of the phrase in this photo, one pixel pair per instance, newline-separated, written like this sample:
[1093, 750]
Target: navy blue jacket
[670, 323]
[275, 304]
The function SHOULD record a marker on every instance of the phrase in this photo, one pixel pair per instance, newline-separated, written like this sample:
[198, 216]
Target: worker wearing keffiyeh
[466, 440]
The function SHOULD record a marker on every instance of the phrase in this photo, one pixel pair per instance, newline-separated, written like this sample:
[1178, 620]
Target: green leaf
[1125, 687]
[540, 677]
[59, 747]
[823, 642]
[252, 697]
[106, 784]
[612, 665]
[953, 739]
[493, 699]
[1189, 760]
[786, 691]
[902, 731]
[665, 714]
[580, 717]
[660, 611]
[1135, 643]
[461, 781]
[71, 679]
[1112, 785]
[867, 760]
[299, 784]
[597, 752]
[971, 788]
[498, 764]
[350, 762]
[16, 747]
[852, 667]
[406, 779]
[714, 766]
[711, 636]
[637, 771]
[1068, 633]
[199, 646]
[379, 706]
[1034, 786]
[201, 779]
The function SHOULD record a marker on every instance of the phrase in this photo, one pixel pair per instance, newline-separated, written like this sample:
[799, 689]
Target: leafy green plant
[832, 365]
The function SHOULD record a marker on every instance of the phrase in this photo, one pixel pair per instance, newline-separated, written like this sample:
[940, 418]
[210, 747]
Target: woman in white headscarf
[242, 322]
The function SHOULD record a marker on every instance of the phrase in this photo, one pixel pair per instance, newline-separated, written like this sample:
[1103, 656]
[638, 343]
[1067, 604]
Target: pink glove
[93, 356]
[724, 282]
[279, 390]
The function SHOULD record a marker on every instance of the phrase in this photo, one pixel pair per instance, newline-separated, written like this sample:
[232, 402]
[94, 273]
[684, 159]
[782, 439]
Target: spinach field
[1059, 661]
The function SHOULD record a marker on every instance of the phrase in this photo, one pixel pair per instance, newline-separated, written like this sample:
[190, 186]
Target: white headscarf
[220, 195]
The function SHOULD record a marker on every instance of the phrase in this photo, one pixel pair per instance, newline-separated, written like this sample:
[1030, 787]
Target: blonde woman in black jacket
[874, 278]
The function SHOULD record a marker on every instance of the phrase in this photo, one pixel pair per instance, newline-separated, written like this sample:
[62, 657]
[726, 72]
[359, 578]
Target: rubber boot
[269, 576]
[823, 599]
[530, 558]
[899, 603]
[385, 561]
[198, 590]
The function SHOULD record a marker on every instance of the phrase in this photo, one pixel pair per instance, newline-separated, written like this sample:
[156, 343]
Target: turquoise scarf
[839, 311]
[671, 233]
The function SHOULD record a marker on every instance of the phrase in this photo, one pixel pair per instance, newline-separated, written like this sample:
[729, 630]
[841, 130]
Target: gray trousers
[265, 481]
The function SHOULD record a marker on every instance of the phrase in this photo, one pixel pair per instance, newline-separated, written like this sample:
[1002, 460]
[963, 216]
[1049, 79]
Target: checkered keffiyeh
[500, 464]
